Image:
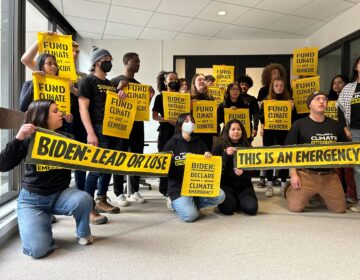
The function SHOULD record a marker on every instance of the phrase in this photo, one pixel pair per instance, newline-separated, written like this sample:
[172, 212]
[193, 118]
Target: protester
[92, 98]
[236, 183]
[182, 143]
[184, 85]
[349, 118]
[199, 92]
[272, 136]
[44, 193]
[308, 182]
[209, 80]
[136, 141]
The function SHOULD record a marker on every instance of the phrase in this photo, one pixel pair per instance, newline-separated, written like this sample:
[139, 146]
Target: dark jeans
[107, 142]
[79, 132]
[271, 138]
[165, 135]
[134, 144]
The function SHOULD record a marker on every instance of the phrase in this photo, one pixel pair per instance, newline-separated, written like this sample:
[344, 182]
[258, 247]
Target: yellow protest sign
[201, 176]
[331, 110]
[59, 46]
[224, 75]
[50, 148]
[175, 104]
[241, 114]
[299, 156]
[119, 116]
[54, 88]
[205, 116]
[277, 115]
[302, 88]
[305, 61]
[140, 93]
[217, 93]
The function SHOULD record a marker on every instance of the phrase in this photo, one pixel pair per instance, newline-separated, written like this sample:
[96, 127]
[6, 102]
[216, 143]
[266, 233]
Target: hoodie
[179, 148]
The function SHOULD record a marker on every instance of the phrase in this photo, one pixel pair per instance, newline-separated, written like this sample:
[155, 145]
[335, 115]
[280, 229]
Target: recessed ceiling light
[222, 13]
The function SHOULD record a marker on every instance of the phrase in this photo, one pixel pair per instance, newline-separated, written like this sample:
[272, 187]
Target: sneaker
[96, 218]
[86, 240]
[276, 182]
[355, 208]
[121, 200]
[168, 204]
[136, 197]
[269, 191]
[261, 184]
[103, 206]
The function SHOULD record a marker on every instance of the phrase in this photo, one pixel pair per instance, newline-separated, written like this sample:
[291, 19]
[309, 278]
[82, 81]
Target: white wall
[343, 25]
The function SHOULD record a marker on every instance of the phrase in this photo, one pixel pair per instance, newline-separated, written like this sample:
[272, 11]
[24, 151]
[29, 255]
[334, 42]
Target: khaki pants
[327, 186]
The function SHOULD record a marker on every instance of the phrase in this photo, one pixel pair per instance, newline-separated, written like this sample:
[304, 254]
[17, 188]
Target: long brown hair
[283, 96]
[194, 92]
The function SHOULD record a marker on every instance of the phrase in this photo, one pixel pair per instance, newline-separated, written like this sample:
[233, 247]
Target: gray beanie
[313, 95]
[96, 54]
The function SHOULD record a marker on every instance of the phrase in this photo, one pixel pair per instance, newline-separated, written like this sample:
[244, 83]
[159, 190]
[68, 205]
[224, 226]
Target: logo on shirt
[45, 168]
[180, 159]
[323, 138]
[104, 88]
[356, 98]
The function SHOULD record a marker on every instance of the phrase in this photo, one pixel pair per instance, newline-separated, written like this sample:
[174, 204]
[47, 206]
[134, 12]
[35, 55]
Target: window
[354, 54]
[329, 66]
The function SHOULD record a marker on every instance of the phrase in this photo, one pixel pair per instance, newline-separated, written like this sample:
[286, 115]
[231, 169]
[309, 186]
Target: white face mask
[187, 127]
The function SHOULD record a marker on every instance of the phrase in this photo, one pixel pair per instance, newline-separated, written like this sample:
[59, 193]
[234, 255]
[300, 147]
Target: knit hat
[96, 54]
[313, 95]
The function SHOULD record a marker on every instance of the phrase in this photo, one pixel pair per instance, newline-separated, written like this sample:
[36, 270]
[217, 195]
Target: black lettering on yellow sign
[53, 149]
[301, 156]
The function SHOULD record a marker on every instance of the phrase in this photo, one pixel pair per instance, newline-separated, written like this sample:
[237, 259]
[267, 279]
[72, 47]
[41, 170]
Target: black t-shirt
[308, 131]
[159, 108]
[95, 89]
[263, 93]
[355, 108]
[119, 78]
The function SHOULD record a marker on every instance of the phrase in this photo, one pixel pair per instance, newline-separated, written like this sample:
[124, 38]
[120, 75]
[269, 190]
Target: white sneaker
[355, 207]
[84, 240]
[168, 204]
[121, 200]
[136, 197]
[269, 191]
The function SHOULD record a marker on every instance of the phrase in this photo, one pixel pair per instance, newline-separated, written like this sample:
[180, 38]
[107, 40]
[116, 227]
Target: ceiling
[198, 19]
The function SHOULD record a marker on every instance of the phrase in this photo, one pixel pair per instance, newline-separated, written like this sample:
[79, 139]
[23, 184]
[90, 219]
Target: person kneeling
[182, 143]
[236, 183]
[309, 182]
[44, 193]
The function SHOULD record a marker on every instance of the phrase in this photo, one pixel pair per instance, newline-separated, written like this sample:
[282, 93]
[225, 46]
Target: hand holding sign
[25, 131]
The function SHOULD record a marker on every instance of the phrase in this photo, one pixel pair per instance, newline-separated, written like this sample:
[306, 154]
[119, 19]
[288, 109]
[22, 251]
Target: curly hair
[245, 79]
[161, 78]
[266, 74]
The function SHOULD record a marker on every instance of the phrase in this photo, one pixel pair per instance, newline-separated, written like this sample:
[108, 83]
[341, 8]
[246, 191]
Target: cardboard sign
[331, 110]
[201, 176]
[205, 116]
[217, 93]
[50, 148]
[140, 93]
[299, 156]
[277, 115]
[54, 88]
[175, 104]
[302, 88]
[59, 46]
[224, 75]
[119, 116]
[241, 114]
[305, 61]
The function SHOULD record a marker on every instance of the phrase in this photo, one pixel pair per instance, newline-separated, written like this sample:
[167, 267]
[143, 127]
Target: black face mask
[174, 86]
[106, 66]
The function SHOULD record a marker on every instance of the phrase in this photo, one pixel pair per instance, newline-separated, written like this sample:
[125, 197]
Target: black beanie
[313, 95]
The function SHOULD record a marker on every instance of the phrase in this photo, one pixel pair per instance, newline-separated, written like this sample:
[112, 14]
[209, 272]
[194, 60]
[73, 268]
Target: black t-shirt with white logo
[355, 108]
[308, 131]
[95, 89]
